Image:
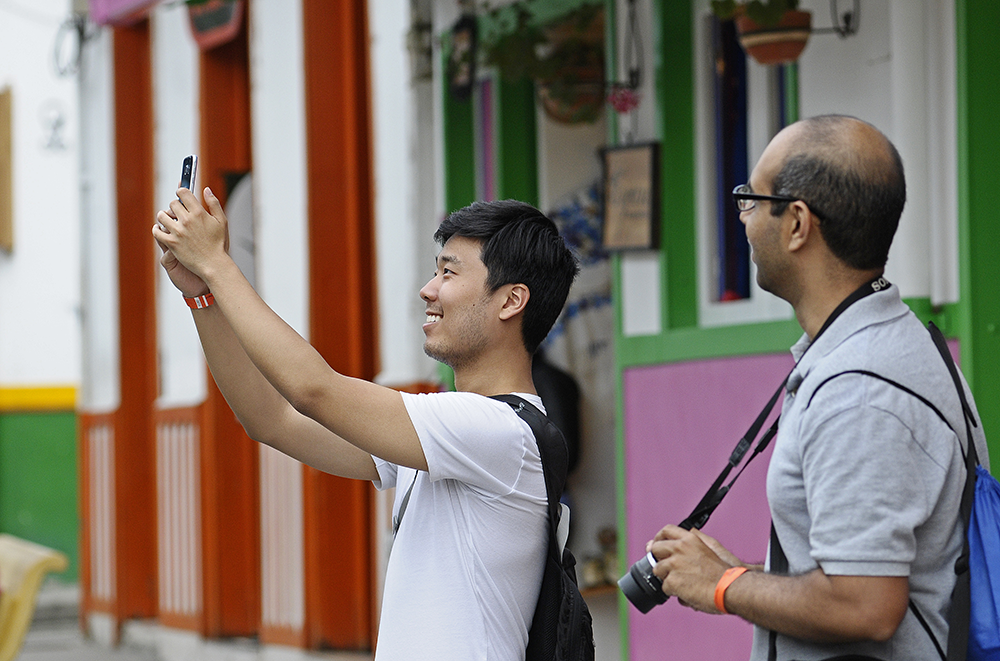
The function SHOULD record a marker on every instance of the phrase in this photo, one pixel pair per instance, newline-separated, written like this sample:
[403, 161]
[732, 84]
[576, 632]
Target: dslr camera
[642, 587]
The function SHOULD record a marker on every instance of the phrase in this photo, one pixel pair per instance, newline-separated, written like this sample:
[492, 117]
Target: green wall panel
[460, 159]
[675, 103]
[38, 481]
[517, 142]
[459, 148]
[979, 234]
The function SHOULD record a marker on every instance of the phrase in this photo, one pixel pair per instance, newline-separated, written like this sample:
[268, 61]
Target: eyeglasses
[746, 199]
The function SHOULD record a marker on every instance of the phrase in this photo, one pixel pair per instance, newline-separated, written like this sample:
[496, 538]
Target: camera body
[642, 587]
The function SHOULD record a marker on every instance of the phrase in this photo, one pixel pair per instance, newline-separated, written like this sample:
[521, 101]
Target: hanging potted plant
[564, 58]
[771, 31]
[572, 88]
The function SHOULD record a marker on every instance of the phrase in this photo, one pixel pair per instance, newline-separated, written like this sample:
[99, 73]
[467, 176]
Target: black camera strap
[703, 510]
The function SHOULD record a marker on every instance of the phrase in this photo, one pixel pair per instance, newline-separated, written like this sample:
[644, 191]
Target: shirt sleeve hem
[864, 568]
[382, 466]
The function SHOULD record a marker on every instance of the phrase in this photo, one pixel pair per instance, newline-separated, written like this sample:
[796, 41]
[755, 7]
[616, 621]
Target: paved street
[55, 636]
[55, 632]
[62, 641]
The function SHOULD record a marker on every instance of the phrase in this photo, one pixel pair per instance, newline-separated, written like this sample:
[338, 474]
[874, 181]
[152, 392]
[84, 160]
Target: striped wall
[282, 568]
[222, 537]
[178, 508]
[97, 441]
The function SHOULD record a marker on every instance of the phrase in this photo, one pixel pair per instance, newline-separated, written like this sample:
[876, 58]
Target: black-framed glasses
[746, 199]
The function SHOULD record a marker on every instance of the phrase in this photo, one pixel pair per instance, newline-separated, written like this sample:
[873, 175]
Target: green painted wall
[517, 142]
[979, 233]
[459, 151]
[38, 481]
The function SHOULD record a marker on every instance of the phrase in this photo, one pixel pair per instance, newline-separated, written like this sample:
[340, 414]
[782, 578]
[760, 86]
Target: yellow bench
[23, 565]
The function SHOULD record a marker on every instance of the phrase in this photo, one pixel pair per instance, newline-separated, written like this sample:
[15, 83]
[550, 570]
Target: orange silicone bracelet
[199, 302]
[727, 579]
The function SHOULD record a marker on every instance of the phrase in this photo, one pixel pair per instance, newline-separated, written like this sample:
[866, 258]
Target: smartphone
[189, 172]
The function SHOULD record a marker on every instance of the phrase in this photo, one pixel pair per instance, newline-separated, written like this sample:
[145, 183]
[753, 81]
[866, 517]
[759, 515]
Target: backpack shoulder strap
[554, 453]
[896, 384]
[959, 615]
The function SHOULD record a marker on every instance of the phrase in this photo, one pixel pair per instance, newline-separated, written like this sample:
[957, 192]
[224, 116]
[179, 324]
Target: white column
[176, 113]
[98, 223]
[943, 151]
[910, 252]
[277, 98]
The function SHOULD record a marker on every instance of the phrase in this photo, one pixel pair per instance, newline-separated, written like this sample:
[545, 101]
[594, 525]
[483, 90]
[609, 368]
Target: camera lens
[642, 587]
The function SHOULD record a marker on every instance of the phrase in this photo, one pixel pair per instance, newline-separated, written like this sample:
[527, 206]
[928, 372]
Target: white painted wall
[277, 98]
[641, 270]
[183, 379]
[39, 279]
[898, 73]
[98, 209]
[403, 173]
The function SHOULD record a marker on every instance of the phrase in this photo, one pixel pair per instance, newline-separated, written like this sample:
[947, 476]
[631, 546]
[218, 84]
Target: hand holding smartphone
[189, 174]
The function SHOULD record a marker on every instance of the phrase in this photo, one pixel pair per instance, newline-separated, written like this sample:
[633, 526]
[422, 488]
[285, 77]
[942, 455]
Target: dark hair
[855, 186]
[519, 245]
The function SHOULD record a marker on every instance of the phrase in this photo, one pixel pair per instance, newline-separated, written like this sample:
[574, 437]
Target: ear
[802, 224]
[515, 301]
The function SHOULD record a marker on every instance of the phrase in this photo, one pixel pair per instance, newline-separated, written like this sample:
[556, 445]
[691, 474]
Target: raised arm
[265, 415]
[241, 327]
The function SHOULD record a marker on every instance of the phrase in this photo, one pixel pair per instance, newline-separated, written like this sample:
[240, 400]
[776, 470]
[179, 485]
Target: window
[740, 105]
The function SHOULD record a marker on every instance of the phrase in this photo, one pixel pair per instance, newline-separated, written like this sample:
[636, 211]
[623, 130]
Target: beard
[458, 352]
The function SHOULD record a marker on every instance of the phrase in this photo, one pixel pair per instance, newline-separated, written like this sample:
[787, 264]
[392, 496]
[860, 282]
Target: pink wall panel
[119, 12]
[682, 421]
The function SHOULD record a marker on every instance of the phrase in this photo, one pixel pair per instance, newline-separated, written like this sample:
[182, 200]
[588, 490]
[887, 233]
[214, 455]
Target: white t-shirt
[466, 565]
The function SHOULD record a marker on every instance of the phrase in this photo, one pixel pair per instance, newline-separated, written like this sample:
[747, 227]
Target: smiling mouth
[432, 318]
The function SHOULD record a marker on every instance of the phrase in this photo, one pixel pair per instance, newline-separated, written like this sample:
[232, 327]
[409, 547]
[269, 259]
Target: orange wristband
[727, 579]
[199, 302]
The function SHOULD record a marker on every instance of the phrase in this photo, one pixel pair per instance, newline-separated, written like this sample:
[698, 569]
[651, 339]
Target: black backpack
[562, 628]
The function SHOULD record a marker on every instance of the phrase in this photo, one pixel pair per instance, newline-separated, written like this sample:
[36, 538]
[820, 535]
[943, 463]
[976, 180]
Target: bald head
[851, 177]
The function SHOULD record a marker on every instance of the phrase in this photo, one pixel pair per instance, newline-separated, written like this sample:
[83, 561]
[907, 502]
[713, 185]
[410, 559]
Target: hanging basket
[573, 91]
[775, 44]
[575, 95]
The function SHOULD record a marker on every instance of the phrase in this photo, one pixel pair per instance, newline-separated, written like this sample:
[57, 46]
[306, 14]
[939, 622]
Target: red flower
[624, 99]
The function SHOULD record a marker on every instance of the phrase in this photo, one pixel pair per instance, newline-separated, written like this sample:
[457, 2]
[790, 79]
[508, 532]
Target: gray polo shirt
[865, 479]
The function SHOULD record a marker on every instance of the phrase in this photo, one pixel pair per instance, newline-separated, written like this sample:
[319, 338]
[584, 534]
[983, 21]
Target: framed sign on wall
[631, 196]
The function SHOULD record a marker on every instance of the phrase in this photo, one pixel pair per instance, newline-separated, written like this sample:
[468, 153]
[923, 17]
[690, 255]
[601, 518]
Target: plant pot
[574, 95]
[775, 44]
[573, 91]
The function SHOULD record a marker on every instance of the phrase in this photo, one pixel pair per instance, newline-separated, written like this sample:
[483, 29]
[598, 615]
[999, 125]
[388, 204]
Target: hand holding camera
[694, 563]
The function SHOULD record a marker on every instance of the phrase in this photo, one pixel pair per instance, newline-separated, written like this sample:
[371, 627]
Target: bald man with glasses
[865, 480]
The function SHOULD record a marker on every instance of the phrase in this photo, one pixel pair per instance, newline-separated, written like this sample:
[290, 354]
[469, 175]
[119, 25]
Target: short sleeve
[471, 438]
[869, 482]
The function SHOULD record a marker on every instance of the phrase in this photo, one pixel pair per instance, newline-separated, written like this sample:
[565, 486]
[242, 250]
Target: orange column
[230, 487]
[342, 303]
[134, 438]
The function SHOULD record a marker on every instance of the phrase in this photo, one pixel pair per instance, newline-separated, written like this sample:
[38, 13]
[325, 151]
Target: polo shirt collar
[873, 309]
